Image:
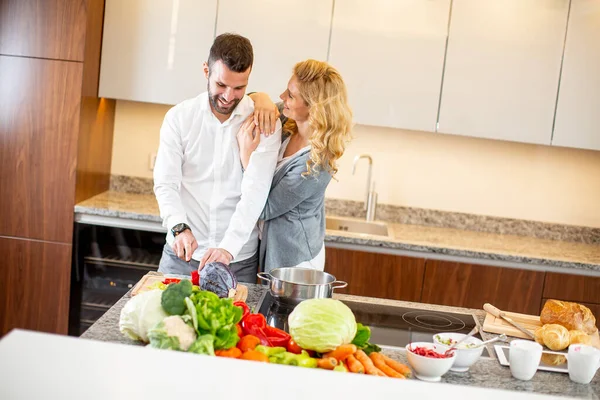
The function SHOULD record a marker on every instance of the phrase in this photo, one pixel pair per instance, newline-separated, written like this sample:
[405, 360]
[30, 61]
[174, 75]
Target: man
[208, 203]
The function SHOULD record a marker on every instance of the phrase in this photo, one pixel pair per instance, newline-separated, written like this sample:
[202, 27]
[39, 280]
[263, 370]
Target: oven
[106, 263]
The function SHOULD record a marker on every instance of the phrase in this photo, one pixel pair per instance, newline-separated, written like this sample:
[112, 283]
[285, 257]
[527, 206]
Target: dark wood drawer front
[376, 275]
[43, 28]
[469, 285]
[38, 147]
[34, 285]
[572, 288]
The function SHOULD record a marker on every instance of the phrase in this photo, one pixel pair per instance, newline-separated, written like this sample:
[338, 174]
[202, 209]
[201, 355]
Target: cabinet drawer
[471, 286]
[577, 288]
[376, 275]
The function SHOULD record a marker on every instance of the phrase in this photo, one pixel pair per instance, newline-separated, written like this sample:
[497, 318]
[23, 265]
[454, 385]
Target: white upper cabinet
[502, 69]
[153, 50]
[578, 110]
[391, 55]
[282, 33]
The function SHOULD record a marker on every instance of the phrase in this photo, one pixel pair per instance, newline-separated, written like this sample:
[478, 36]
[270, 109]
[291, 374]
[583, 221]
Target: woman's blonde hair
[330, 118]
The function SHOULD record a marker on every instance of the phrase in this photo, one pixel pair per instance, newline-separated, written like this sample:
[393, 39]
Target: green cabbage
[322, 324]
[140, 314]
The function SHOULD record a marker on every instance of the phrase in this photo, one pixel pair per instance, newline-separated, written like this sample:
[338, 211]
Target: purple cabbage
[217, 278]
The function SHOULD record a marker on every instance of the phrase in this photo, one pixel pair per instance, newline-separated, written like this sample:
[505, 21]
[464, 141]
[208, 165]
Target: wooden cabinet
[502, 69]
[282, 34]
[49, 57]
[53, 29]
[376, 275]
[471, 286]
[585, 289]
[34, 285]
[39, 110]
[577, 117]
[153, 51]
[406, 41]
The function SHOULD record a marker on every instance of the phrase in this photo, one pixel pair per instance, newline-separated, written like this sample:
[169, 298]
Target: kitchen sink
[356, 226]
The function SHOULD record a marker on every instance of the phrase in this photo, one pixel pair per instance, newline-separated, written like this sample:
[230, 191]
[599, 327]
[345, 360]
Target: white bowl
[427, 368]
[465, 357]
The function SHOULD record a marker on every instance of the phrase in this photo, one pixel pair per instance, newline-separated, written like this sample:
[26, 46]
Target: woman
[314, 137]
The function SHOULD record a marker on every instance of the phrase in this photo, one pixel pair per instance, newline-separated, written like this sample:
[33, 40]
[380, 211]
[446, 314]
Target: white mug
[583, 362]
[524, 356]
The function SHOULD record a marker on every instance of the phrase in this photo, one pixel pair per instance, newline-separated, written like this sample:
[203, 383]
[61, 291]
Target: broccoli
[173, 298]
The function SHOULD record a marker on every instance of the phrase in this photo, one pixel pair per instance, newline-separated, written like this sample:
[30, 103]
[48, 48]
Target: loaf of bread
[553, 336]
[579, 337]
[553, 359]
[572, 316]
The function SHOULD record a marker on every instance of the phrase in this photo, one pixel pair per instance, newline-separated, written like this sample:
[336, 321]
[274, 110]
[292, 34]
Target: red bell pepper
[256, 324]
[195, 278]
[277, 337]
[168, 281]
[243, 306]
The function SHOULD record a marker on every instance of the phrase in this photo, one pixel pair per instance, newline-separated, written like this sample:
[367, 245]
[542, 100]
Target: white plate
[503, 356]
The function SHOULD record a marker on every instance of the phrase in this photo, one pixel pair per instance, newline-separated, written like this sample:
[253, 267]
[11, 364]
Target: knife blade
[496, 312]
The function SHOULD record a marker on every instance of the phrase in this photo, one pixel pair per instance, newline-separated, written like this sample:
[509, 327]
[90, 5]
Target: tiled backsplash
[421, 170]
[419, 216]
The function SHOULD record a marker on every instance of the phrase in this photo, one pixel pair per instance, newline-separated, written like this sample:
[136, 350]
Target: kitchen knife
[501, 314]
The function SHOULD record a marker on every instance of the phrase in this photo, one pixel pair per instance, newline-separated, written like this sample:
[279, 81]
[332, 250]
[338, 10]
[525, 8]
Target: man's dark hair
[233, 50]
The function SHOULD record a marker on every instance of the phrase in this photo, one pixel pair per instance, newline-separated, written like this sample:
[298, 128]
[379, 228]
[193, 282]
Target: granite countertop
[486, 372]
[577, 256]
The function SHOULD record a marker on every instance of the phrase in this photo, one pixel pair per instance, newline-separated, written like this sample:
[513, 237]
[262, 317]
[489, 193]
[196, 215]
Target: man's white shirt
[198, 177]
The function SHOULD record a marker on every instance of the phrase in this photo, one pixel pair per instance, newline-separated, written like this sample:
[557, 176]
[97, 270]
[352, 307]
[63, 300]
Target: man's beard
[214, 101]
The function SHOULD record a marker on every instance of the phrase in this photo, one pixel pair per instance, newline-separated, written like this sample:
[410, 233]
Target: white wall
[425, 170]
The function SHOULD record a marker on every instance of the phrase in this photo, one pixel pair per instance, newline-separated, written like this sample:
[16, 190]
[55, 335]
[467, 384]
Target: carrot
[354, 365]
[248, 342]
[254, 355]
[396, 366]
[233, 352]
[342, 352]
[379, 362]
[327, 363]
[370, 368]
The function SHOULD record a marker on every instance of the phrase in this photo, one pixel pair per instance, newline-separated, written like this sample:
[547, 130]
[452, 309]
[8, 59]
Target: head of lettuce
[322, 325]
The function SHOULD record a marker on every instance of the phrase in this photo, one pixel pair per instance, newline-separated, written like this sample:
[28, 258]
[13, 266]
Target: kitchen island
[486, 373]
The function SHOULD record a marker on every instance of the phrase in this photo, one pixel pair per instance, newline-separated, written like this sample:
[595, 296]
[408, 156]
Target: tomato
[239, 330]
[293, 347]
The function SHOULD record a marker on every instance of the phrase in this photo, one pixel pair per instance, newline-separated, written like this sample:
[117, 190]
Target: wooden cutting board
[149, 280]
[498, 325]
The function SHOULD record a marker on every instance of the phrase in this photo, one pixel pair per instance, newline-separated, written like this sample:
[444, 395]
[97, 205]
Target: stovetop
[391, 326]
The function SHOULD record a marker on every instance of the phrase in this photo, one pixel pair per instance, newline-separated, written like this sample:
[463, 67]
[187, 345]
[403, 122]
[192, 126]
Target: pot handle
[340, 284]
[265, 276]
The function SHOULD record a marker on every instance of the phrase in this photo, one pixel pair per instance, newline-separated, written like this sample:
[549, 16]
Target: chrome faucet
[371, 195]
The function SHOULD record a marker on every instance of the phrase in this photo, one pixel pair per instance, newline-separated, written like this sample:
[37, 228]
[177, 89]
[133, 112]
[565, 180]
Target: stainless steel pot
[292, 285]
